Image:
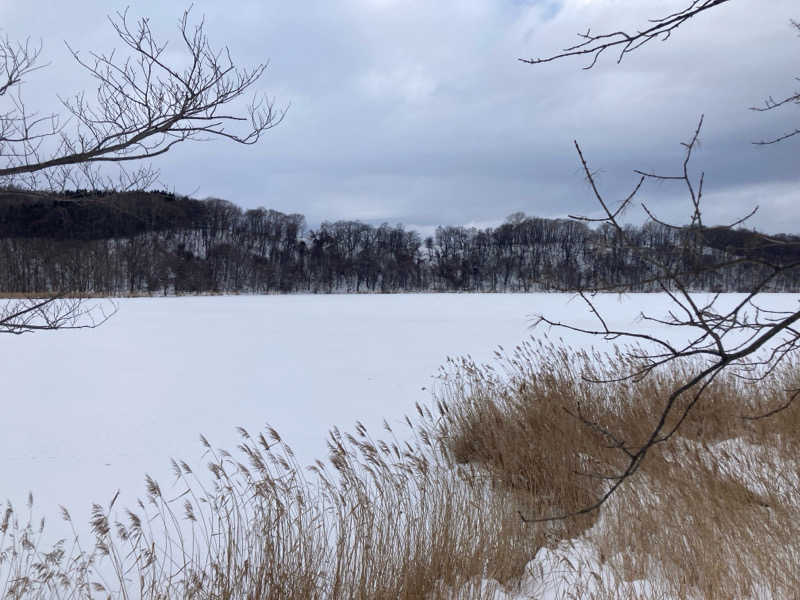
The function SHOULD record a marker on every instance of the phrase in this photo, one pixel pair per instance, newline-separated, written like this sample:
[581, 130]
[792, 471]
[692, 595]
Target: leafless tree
[143, 107]
[746, 337]
[27, 315]
[146, 103]
[593, 45]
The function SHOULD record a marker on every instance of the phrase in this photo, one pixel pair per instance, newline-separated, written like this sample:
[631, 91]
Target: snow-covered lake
[88, 412]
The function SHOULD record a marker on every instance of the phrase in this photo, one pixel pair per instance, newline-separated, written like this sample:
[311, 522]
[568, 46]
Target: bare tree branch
[594, 45]
[771, 104]
[144, 106]
[28, 315]
[18, 59]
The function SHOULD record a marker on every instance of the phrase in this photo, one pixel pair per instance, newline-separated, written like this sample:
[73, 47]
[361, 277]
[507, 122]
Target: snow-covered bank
[88, 412]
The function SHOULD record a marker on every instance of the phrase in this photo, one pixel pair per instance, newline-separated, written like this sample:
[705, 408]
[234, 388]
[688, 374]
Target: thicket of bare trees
[159, 243]
[746, 336]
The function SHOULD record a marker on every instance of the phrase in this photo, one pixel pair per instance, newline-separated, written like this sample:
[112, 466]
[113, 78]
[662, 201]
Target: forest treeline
[92, 242]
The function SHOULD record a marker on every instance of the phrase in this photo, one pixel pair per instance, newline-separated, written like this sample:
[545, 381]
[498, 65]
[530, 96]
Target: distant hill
[90, 215]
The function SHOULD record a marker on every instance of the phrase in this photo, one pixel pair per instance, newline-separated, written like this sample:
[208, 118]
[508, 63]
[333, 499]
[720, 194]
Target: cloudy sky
[418, 111]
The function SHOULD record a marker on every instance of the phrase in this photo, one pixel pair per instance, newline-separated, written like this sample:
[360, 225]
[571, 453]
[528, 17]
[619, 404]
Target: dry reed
[713, 513]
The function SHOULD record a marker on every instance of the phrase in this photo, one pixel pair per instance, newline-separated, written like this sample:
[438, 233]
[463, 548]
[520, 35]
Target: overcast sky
[418, 111]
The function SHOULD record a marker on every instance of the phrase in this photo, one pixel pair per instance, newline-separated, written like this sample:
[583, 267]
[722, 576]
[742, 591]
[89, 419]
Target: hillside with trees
[121, 243]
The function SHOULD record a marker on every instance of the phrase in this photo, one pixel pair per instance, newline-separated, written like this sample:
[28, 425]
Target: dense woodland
[93, 242]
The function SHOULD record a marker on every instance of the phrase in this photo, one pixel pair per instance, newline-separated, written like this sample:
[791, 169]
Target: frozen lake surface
[89, 412]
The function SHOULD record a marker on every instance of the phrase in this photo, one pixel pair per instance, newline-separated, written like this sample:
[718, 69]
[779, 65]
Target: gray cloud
[418, 112]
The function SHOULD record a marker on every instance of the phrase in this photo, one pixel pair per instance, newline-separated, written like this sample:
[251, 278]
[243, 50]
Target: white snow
[89, 412]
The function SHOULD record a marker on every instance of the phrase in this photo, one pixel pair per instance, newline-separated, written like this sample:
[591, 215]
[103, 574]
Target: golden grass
[714, 513]
[381, 522]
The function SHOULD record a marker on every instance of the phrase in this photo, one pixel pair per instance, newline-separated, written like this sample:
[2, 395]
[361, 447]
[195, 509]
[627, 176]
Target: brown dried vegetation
[712, 513]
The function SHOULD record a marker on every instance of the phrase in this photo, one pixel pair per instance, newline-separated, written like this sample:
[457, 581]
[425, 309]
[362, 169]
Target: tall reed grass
[714, 513]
